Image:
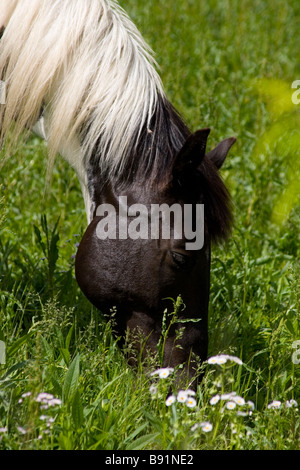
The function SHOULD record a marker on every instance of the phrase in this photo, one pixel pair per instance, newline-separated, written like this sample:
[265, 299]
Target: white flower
[230, 405]
[21, 430]
[214, 400]
[27, 394]
[206, 426]
[250, 404]
[153, 390]
[228, 396]
[235, 359]
[54, 402]
[44, 397]
[233, 428]
[239, 400]
[221, 359]
[190, 402]
[194, 427]
[290, 403]
[185, 396]
[190, 392]
[274, 404]
[3, 430]
[163, 373]
[170, 400]
[182, 396]
[44, 417]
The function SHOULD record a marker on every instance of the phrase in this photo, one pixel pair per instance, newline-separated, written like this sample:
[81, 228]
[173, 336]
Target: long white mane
[86, 65]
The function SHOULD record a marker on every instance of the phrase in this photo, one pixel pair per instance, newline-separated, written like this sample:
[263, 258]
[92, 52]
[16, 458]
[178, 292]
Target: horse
[80, 75]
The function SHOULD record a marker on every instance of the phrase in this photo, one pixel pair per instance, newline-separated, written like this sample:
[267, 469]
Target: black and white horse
[79, 74]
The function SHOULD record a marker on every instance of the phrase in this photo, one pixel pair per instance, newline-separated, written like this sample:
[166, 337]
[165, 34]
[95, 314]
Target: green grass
[228, 65]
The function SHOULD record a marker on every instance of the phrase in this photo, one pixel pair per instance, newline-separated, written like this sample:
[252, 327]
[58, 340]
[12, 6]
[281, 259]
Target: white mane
[87, 65]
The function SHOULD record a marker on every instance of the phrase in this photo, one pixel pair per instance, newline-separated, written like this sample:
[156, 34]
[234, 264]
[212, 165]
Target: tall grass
[225, 65]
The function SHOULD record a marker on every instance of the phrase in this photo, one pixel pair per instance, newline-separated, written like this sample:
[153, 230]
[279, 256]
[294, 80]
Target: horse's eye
[182, 261]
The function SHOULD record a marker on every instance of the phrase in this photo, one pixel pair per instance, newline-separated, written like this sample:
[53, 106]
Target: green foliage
[229, 66]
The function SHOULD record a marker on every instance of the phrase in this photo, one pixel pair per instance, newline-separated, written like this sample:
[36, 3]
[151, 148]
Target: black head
[134, 271]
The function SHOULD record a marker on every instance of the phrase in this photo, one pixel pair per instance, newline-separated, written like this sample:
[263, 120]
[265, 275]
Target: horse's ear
[219, 153]
[192, 153]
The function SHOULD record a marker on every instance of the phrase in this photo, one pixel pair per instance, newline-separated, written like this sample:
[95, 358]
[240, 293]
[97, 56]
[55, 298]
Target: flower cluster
[183, 396]
[46, 401]
[163, 373]
[230, 405]
[187, 397]
[288, 404]
[205, 426]
[232, 400]
[223, 358]
[48, 421]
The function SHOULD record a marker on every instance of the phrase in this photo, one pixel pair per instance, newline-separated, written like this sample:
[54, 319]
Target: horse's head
[146, 244]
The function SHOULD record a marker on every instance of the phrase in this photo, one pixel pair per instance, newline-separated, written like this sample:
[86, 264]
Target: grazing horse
[79, 74]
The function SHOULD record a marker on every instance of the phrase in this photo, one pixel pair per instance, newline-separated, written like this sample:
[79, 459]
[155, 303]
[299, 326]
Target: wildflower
[217, 360]
[44, 417]
[182, 396]
[250, 404]
[26, 394]
[291, 403]
[54, 402]
[2, 431]
[274, 404]
[228, 396]
[206, 426]
[21, 430]
[46, 400]
[214, 400]
[190, 392]
[153, 390]
[230, 405]
[163, 373]
[235, 359]
[44, 397]
[49, 422]
[170, 400]
[190, 402]
[233, 428]
[223, 358]
[239, 400]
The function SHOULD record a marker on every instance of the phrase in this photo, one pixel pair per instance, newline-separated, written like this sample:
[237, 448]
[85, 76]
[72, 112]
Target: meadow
[64, 383]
